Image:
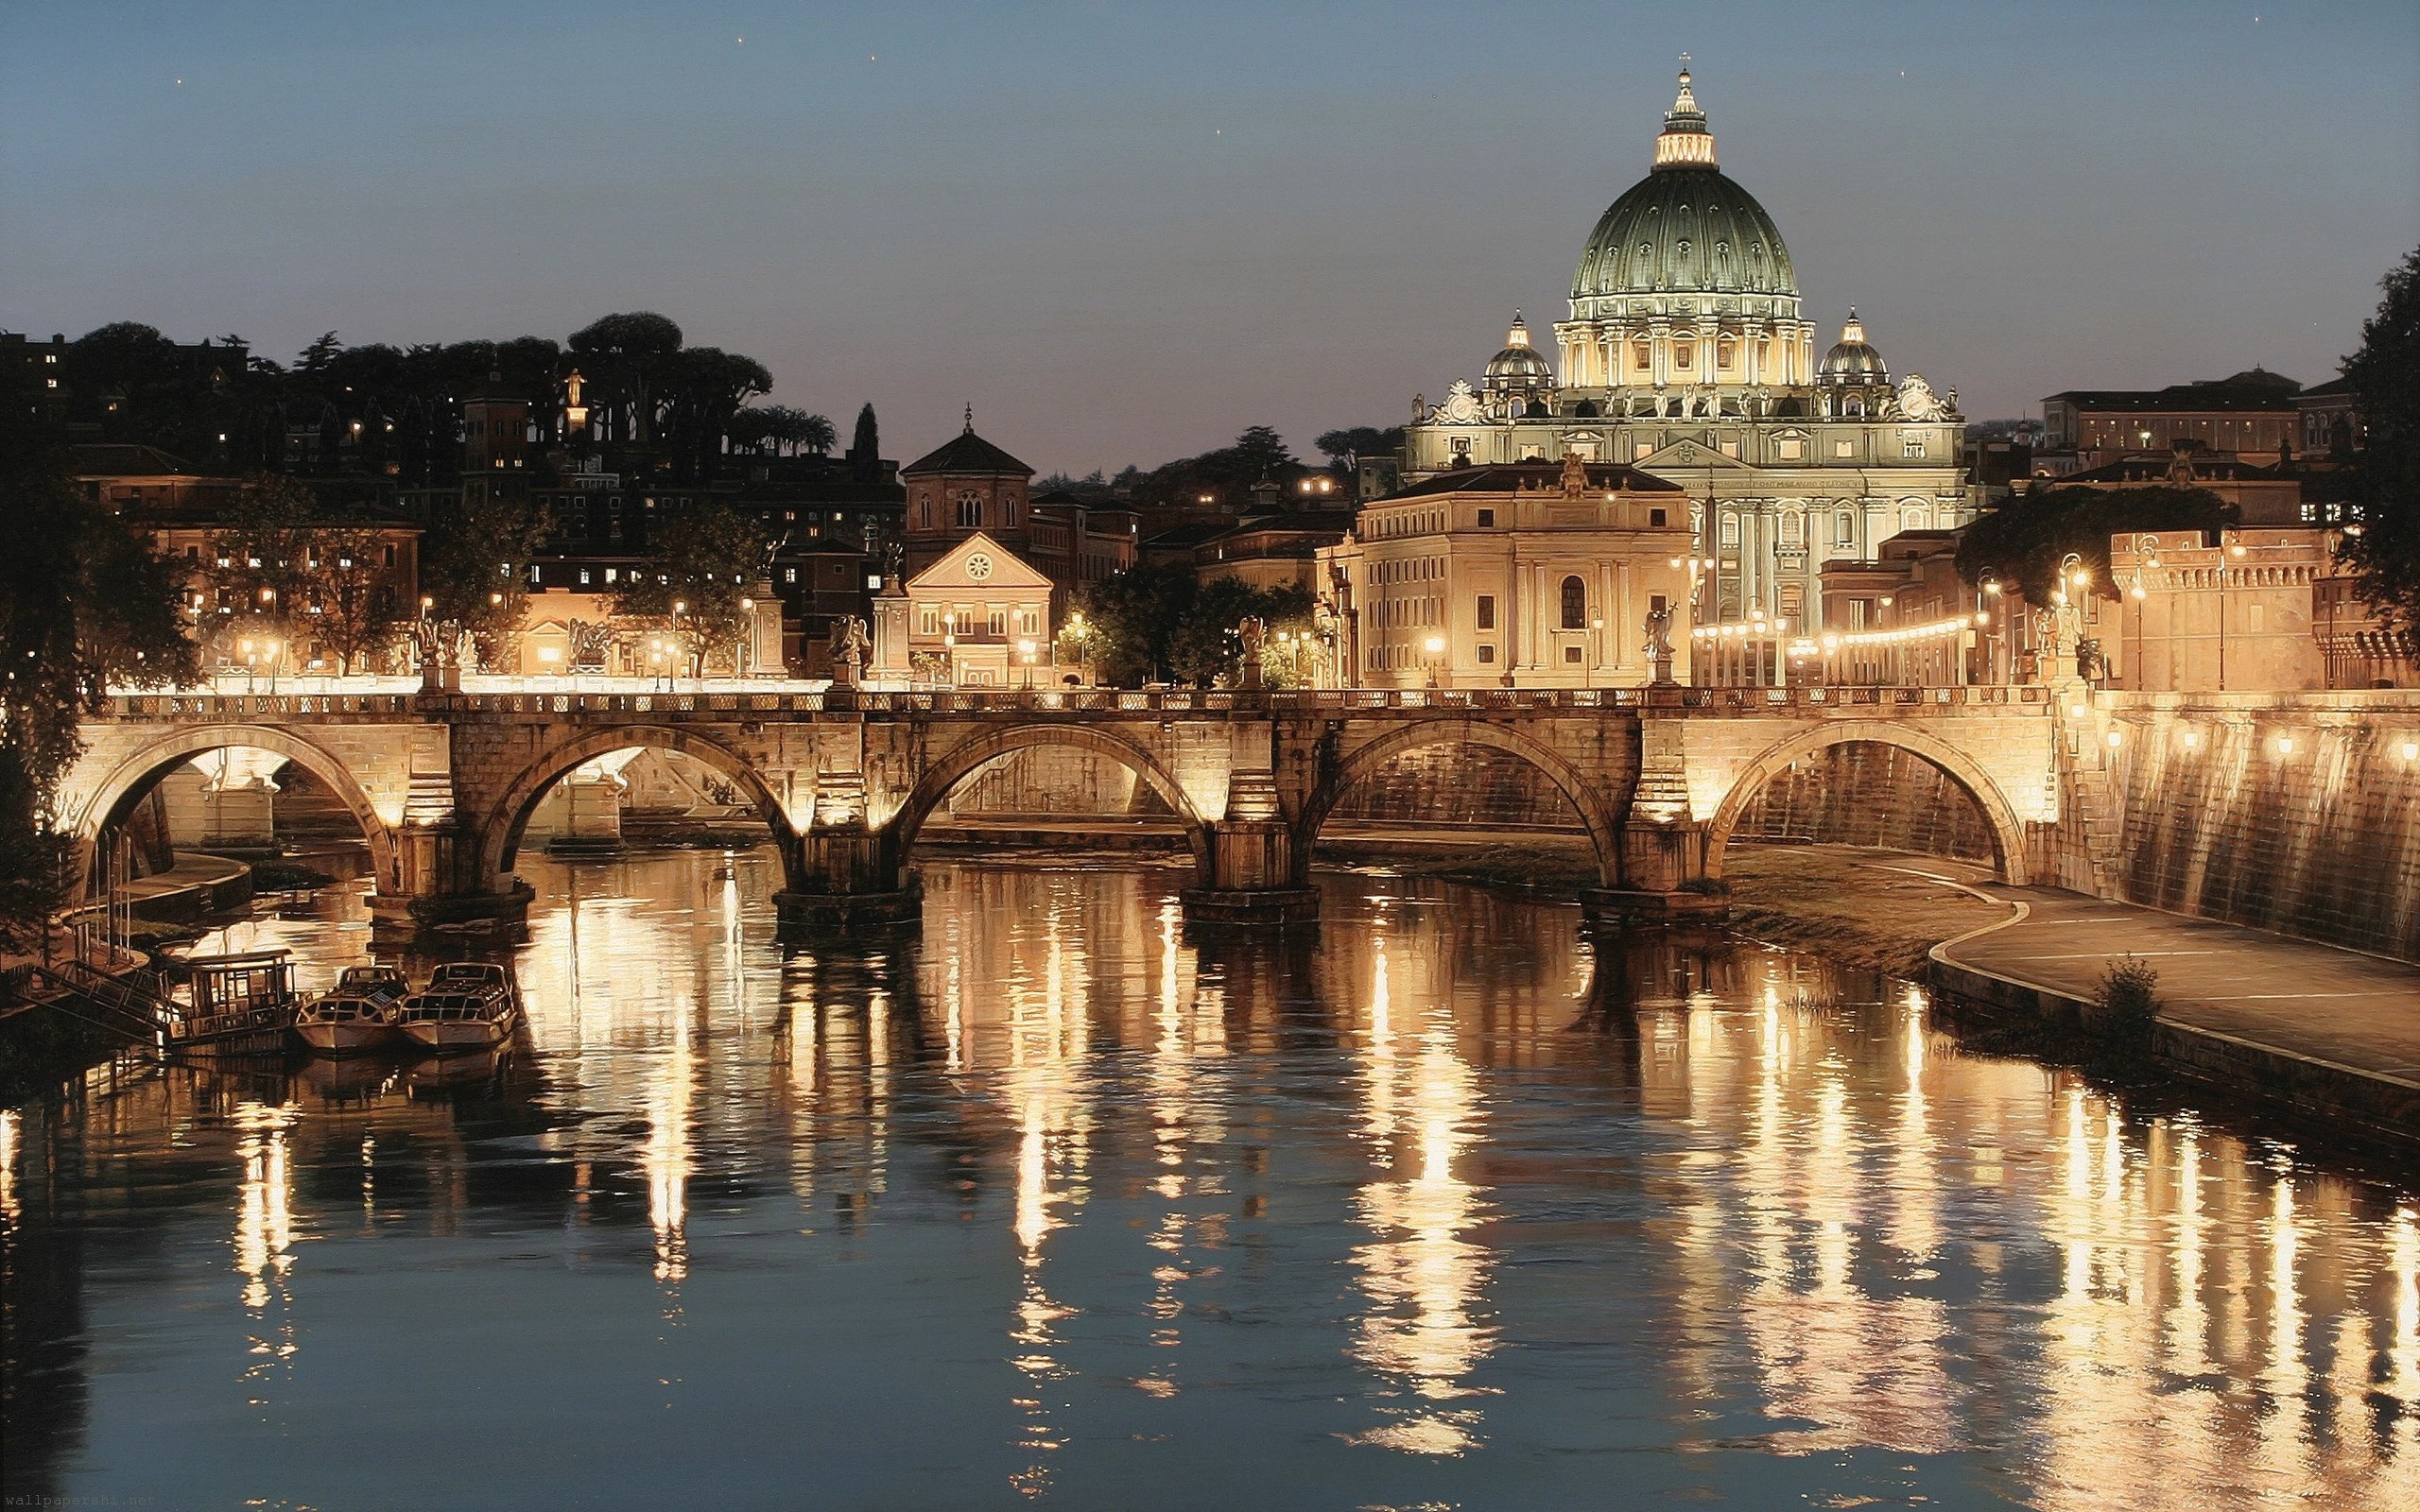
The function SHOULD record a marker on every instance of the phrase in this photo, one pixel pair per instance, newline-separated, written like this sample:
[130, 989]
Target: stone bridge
[444, 785]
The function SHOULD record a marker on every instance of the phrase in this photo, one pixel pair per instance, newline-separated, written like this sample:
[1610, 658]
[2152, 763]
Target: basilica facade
[1688, 357]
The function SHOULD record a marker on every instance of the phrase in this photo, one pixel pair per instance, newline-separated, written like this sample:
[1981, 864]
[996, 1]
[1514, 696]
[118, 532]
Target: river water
[1049, 1205]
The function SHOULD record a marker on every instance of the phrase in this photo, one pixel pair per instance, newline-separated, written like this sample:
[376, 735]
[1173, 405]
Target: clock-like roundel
[978, 566]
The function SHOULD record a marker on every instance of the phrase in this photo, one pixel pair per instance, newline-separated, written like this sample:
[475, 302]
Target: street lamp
[1436, 651]
[1025, 651]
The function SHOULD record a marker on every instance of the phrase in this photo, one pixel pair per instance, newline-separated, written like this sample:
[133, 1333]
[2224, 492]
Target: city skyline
[1125, 236]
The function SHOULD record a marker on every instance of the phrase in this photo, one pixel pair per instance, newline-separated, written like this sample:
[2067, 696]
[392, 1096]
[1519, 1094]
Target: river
[1047, 1204]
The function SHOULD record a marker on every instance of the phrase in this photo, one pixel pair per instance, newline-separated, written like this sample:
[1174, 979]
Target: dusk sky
[1125, 232]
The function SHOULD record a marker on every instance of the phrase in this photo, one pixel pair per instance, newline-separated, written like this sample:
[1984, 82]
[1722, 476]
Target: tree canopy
[2385, 378]
[2022, 542]
[84, 605]
[691, 593]
[1156, 623]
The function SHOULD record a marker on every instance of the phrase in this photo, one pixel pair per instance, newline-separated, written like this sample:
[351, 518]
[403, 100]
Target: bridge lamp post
[1025, 654]
[1990, 589]
[748, 645]
[1436, 648]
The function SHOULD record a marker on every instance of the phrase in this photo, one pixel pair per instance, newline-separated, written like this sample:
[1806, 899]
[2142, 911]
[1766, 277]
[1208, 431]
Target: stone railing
[239, 708]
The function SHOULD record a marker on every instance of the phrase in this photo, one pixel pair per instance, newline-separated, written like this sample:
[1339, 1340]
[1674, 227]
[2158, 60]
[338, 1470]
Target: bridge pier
[437, 885]
[846, 877]
[1663, 871]
[1257, 874]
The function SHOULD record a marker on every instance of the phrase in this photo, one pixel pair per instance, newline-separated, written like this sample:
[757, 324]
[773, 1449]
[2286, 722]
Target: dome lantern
[1686, 140]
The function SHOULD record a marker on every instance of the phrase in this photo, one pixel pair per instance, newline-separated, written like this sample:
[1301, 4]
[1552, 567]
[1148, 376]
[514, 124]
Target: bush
[2130, 1000]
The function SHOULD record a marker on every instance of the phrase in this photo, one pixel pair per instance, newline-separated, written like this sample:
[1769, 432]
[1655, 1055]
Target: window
[1486, 519]
[1486, 654]
[1793, 529]
[928, 619]
[1911, 518]
[1846, 534]
[1028, 621]
[1658, 519]
[1639, 359]
[1487, 611]
[1685, 354]
[1730, 530]
[997, 620]
[583, 577]
[1657, 603]
[1571, 655]
[789, 575]
[970, 511]
[1726, 354]
[612, 572]
[1575, 604]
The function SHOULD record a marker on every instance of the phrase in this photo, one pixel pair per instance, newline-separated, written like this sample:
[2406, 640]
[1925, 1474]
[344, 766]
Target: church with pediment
[978, 616]
[1688, 357]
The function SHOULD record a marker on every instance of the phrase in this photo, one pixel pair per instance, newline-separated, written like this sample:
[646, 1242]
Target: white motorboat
[358, 1014]
[466, 1005]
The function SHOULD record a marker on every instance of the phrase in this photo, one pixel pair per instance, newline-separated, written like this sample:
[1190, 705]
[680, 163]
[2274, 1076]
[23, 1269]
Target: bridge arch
[1999, 815]
[112, 799]
[501, 828]
[1604, 829]
[962, 761]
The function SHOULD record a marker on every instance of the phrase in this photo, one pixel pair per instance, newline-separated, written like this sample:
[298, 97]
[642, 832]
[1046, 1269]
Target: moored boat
[239, 1005]
[466, 1005]
[358, 1014]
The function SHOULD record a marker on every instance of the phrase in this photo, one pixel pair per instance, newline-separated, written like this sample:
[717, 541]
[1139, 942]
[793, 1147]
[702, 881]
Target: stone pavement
[2295, 1000]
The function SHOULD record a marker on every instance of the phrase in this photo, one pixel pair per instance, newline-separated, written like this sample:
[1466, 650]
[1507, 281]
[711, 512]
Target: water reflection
[1057, 1204]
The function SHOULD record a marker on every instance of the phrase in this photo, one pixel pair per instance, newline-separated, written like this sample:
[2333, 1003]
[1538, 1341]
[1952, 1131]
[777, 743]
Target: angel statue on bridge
[849, 647]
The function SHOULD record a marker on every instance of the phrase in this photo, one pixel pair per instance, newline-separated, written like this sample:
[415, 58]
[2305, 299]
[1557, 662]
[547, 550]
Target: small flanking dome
[1519, 365]
[1852, 359]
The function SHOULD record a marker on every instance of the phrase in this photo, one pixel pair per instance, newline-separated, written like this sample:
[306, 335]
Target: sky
[1125, 232]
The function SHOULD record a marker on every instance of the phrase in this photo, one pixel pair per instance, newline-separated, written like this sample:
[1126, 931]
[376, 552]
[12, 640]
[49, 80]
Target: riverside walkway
[2329, 1031]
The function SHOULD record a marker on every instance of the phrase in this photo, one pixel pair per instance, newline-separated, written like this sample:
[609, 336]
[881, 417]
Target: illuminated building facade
[1525, 574]
[1687, 357]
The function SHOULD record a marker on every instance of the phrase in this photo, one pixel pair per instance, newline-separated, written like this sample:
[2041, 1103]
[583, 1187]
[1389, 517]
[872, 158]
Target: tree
[2385, 377]
[263, 567]
[84, 605]
[1348, 446]
[357, 613]
[2023, 541]
[691, 594]
[625, 355]
[1132, 615]
[1204, 647]
[476, 570]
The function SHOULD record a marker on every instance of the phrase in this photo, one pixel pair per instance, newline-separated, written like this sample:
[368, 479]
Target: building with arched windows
[1688, 356]
[1532, 574]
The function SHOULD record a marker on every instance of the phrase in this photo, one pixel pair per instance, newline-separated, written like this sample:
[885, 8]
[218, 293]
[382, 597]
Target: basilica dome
[1852, 359]
[1519, 365]
[1685, 228]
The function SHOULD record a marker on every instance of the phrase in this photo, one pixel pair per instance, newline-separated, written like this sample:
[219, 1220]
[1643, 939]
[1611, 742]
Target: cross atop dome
[1686, 141]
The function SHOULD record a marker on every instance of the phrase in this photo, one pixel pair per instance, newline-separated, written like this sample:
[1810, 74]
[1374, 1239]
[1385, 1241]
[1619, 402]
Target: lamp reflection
[264, 1239]
[1423, 1328]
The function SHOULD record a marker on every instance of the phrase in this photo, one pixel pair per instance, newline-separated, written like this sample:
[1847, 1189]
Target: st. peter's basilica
[1686, 357]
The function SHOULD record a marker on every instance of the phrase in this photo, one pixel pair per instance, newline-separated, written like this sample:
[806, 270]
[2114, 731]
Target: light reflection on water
[1051, 1205]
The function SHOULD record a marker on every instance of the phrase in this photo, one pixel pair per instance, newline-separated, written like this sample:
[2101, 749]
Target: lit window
[583, 577]
[612, 572]
[789, 575]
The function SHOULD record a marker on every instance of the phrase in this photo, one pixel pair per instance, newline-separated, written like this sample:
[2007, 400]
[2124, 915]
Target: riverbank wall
[2360, 1106]
[2297, 813]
